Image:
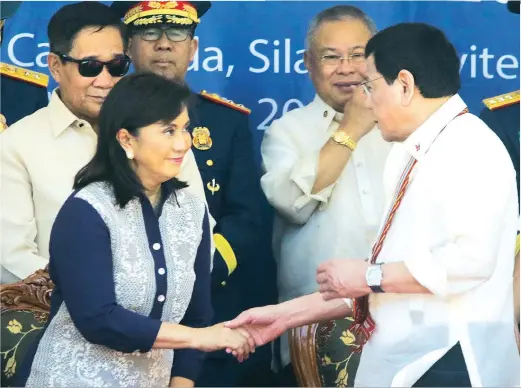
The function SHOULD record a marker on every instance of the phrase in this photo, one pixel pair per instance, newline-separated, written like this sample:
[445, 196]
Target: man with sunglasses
[163, 41]
[324, 164]
[42, 153]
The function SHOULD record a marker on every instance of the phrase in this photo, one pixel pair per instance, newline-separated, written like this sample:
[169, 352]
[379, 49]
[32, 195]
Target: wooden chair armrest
[303, 355]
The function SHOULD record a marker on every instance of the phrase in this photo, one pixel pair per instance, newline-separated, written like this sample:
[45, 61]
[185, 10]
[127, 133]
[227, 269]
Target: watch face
[374, 276]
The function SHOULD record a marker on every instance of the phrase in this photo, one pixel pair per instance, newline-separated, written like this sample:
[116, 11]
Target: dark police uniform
[502, 116]
[223, 149]
[22, 91]
[243, 273]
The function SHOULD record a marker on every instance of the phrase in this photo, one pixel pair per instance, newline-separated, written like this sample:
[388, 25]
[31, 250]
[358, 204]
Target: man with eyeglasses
[324, 163]
[433, 303]
[42, 153]
[163, 41]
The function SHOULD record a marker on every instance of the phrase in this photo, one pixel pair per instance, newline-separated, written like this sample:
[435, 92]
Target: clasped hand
[343, 278]
[236, 340]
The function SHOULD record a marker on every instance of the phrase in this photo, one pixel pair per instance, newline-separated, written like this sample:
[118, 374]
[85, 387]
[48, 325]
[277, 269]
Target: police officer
[162, 41]
[502, 115]
[22, 91]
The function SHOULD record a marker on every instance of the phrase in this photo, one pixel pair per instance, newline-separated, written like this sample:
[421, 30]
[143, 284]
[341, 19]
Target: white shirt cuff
[304, 175]
[349, 302]
[428, 273]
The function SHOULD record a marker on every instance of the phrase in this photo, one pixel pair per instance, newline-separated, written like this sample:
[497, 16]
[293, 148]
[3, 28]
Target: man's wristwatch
[344, 139]
[374, 276]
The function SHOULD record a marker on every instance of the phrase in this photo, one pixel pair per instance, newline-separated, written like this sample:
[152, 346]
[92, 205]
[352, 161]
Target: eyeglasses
[174, 34]
[116, 67]
[336, 60]
[367, 87]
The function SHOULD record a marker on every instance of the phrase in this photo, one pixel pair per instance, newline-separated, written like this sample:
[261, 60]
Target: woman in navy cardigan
[130, 256]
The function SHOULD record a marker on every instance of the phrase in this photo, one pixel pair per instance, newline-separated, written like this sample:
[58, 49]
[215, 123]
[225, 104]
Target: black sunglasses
[116, 67]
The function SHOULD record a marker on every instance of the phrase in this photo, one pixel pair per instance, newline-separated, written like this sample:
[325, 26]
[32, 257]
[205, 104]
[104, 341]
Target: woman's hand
[218, 337]
[181, 382]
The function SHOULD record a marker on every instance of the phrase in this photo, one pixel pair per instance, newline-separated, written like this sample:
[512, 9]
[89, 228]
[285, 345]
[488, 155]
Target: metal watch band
[347, 141]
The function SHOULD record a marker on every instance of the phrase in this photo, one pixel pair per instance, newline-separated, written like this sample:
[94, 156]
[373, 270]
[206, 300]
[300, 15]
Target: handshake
[243, 334]
[336, 280]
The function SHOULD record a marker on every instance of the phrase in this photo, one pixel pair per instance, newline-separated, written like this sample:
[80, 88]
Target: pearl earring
[130, 155]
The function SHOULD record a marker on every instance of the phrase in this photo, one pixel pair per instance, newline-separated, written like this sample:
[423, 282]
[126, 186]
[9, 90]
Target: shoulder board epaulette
[25, 75]
[502, 100]
[221, 100]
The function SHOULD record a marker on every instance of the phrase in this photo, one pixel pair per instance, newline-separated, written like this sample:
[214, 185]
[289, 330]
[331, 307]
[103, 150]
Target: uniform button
[161, 271]
[325, 113]
[161, 298]
[156, 246]
[365, 192]
[209, 162]
[359, 164]
[81, 125]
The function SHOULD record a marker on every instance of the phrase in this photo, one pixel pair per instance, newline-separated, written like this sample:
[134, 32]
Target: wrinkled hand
[358, 119]
[263, 324]
[342, 278]
[218, 337]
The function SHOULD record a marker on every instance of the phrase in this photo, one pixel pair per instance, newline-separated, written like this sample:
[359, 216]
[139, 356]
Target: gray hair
[338, 13]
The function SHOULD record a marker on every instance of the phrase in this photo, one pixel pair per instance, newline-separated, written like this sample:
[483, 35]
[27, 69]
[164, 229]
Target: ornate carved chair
[25, 309]
[322, 354]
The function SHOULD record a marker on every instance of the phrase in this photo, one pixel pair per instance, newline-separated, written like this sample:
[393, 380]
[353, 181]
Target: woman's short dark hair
[71, 19]
[136, 101]
[421, 49]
